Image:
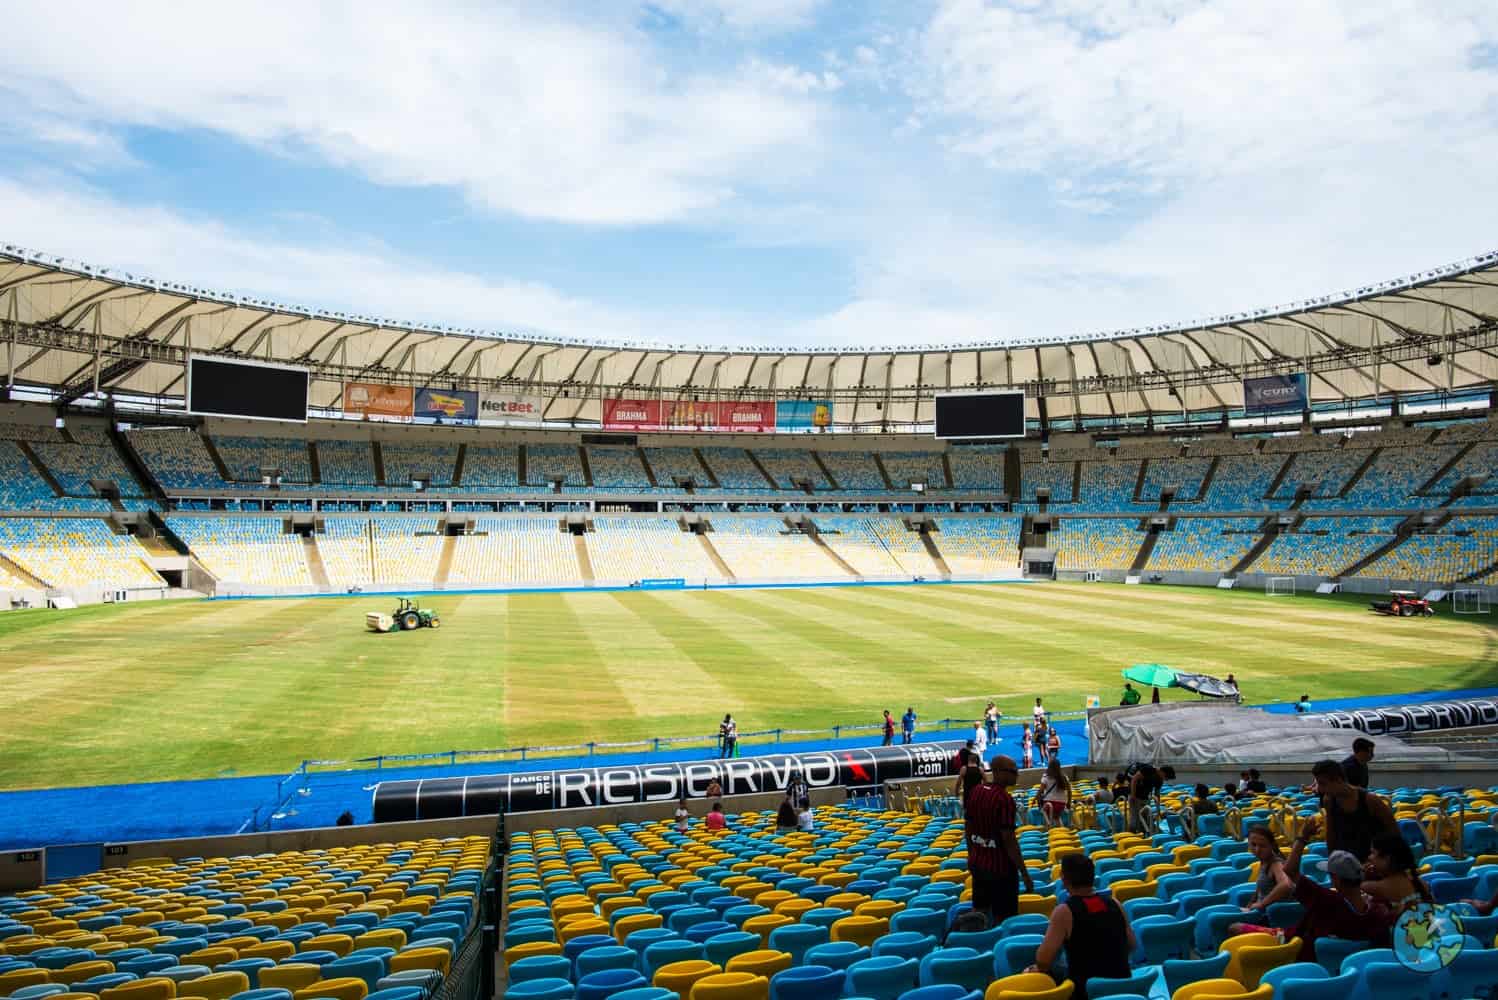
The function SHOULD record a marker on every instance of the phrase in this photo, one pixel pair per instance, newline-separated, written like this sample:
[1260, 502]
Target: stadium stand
[1468, 431]
[74, 466]
[546, 463]
[177, 458]
[763, 548]
[244, 457]
[734, 470]
[1159, 448]
[1204, 544]
[979, 546]
[1293, 442]
[1057, 477]
[1095, 542]
[854, 471]
[905, 546]
[906, 467]
[490, 467]
[1324, 546]
[406, 549]
[1324, 473]
[1184, 475]
[521, 551]
[1242, 482]
[977, 467]
[788, 466]
[346, 464]
[21, 486]
[1391, 481]
[1458, 549]
[76, 552]
[629, 549]
[380, 917]
[407, 462]
[32, 433]
[245, 549]
[347, 551]
[857, 542]
[1480, 461]
[1108, 487]
[673, 465]
[616, 468]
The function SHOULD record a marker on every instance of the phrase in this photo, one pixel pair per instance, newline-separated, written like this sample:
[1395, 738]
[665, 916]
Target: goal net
[1469, 602]
[1280, 586]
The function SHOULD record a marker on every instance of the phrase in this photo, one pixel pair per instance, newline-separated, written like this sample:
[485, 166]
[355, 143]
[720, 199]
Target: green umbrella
[1151, 675]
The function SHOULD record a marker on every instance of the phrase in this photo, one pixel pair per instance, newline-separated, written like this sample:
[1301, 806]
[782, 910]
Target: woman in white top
[980, 740]
[1055, 793]
[804, 820]
[683, 816]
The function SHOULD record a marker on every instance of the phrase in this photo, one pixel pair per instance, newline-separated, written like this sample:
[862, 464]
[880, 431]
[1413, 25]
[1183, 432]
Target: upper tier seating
[1204, 544]
[545, 463]
[76, 552]
[1185, 475]
[244, 457]
[787, 466]
[1325, 473]
[734, 469]
[1095, 542]
[1242, 482]
[1324, 546]
[906, 467]
[1058, 477]
[1148, 448]
[627, 549]
[761, 548]
[616, 468]
[525, 551]
[405, 462]
[1469, 430]
[346, 464]
[32, 432]
[1461, 547]
[491, 467]
[854, 471]
[1293, 442]
[1109, 486]
[21, 486]
[1392, 479]
[406, 549]
[347, 551]
[245, 549]
[978, 467]
[979, 546]
[1481, 460]
[74, 466]
[177, 457]
[338, 922]
[1221, 447]
[671, 465]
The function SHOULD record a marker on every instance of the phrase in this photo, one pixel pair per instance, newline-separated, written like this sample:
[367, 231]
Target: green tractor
[407, 616]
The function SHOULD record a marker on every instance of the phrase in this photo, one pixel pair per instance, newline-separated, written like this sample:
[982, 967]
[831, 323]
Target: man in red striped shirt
[993, 856]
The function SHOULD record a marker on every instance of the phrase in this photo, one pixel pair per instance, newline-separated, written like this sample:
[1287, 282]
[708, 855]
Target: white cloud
[577, 121]
[745, 16]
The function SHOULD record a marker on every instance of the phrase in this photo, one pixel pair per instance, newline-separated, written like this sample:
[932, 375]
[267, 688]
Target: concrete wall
[22, 870]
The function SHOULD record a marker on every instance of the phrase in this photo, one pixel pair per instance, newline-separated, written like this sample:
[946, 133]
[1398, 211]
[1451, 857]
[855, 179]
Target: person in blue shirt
[907, 725]
[1303, 706]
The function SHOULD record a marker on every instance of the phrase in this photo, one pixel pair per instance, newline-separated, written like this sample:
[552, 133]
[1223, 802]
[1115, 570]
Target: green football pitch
[197, 689]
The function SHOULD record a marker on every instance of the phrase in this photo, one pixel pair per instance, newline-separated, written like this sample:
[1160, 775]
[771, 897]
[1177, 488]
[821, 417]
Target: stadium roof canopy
[76, 330]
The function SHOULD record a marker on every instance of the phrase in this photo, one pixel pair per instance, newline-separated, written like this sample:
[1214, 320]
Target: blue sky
[767, 172]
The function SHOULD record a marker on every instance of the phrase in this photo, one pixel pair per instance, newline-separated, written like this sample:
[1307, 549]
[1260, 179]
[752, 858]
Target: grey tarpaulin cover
[1217, 733]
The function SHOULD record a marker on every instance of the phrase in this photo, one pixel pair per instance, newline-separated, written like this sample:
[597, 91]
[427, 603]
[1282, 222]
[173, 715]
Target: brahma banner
[1274, 392]
[511, 406]
[452, 406]
[687, 415]
[373, 399]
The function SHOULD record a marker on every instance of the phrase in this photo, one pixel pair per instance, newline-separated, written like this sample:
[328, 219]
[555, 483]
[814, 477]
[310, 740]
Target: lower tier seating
[627, 549]
[75, 552]
[245, 549]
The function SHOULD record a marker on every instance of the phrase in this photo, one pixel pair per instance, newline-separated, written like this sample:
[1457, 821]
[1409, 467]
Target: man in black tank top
[1092, 930]
[1353, 817]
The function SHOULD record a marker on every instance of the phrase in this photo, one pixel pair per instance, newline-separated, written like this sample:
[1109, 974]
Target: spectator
[804, 820]
[1203, 805]
[796, 788]
[1255, 782]
[1353, 816]
[889, 728]
[723, 736]
[1155, 695]
[1039, 712]
[683, 815]
[970, 775]
[1356, 766]
[1042, 732]
[1027, 744]
[1343, 910]
[345, 818]
[714, 789]
[1230, 789]
[994, 858]
[1053, 745]
[1145, 782]
[907, 725]
[1130, 696]
[785, 816]
[962, 757]
[1092, 930]
[715, 818]
[1232, 682]
[1391, 873]
[980, 739]
[1120, 789]
[1303, 707]
[1273, 884]
[991, 722]
[1055, 793]
[732, 743]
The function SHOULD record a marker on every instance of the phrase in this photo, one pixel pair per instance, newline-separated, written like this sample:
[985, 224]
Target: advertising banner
[372, 399]
[1274, 392]
[631, 414]
[453, 406]
[511, 406]
[687, 415]
[793, 414]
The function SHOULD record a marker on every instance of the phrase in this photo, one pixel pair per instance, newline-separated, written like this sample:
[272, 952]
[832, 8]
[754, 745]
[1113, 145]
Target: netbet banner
[511, 406]
[374, 399]
[687, 415]
[452, 406]
[1274, 392]
[792, 414]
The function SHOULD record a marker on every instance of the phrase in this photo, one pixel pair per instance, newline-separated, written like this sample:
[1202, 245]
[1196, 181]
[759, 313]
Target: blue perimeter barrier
[310, 798]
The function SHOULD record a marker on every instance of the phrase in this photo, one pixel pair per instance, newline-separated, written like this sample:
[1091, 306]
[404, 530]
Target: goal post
[1280, 586]
[1469, 602]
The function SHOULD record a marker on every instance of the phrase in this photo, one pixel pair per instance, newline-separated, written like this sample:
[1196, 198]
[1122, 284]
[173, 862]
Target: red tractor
[1405, 604]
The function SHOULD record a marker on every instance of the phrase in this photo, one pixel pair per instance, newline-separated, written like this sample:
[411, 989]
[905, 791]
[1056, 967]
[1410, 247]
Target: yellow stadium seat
[213, 957]
[731, 986]
[624, 926]
[1255, 960]
[764, 924]
[276, 951]
[338, 944]
[586, 925]
[17, 978]
[290, 976]
[426, 958]
[79, 971]
[1234, 945]
[342, 988]
[1213, 988]
[383, 937]
[154, 988]
[761, 962]
[218, 986]
[680, 977]
[862, 930]
[1061, 991]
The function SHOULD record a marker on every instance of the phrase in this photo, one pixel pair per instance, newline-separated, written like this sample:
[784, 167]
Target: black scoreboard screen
[222, 388]
[968, 415]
